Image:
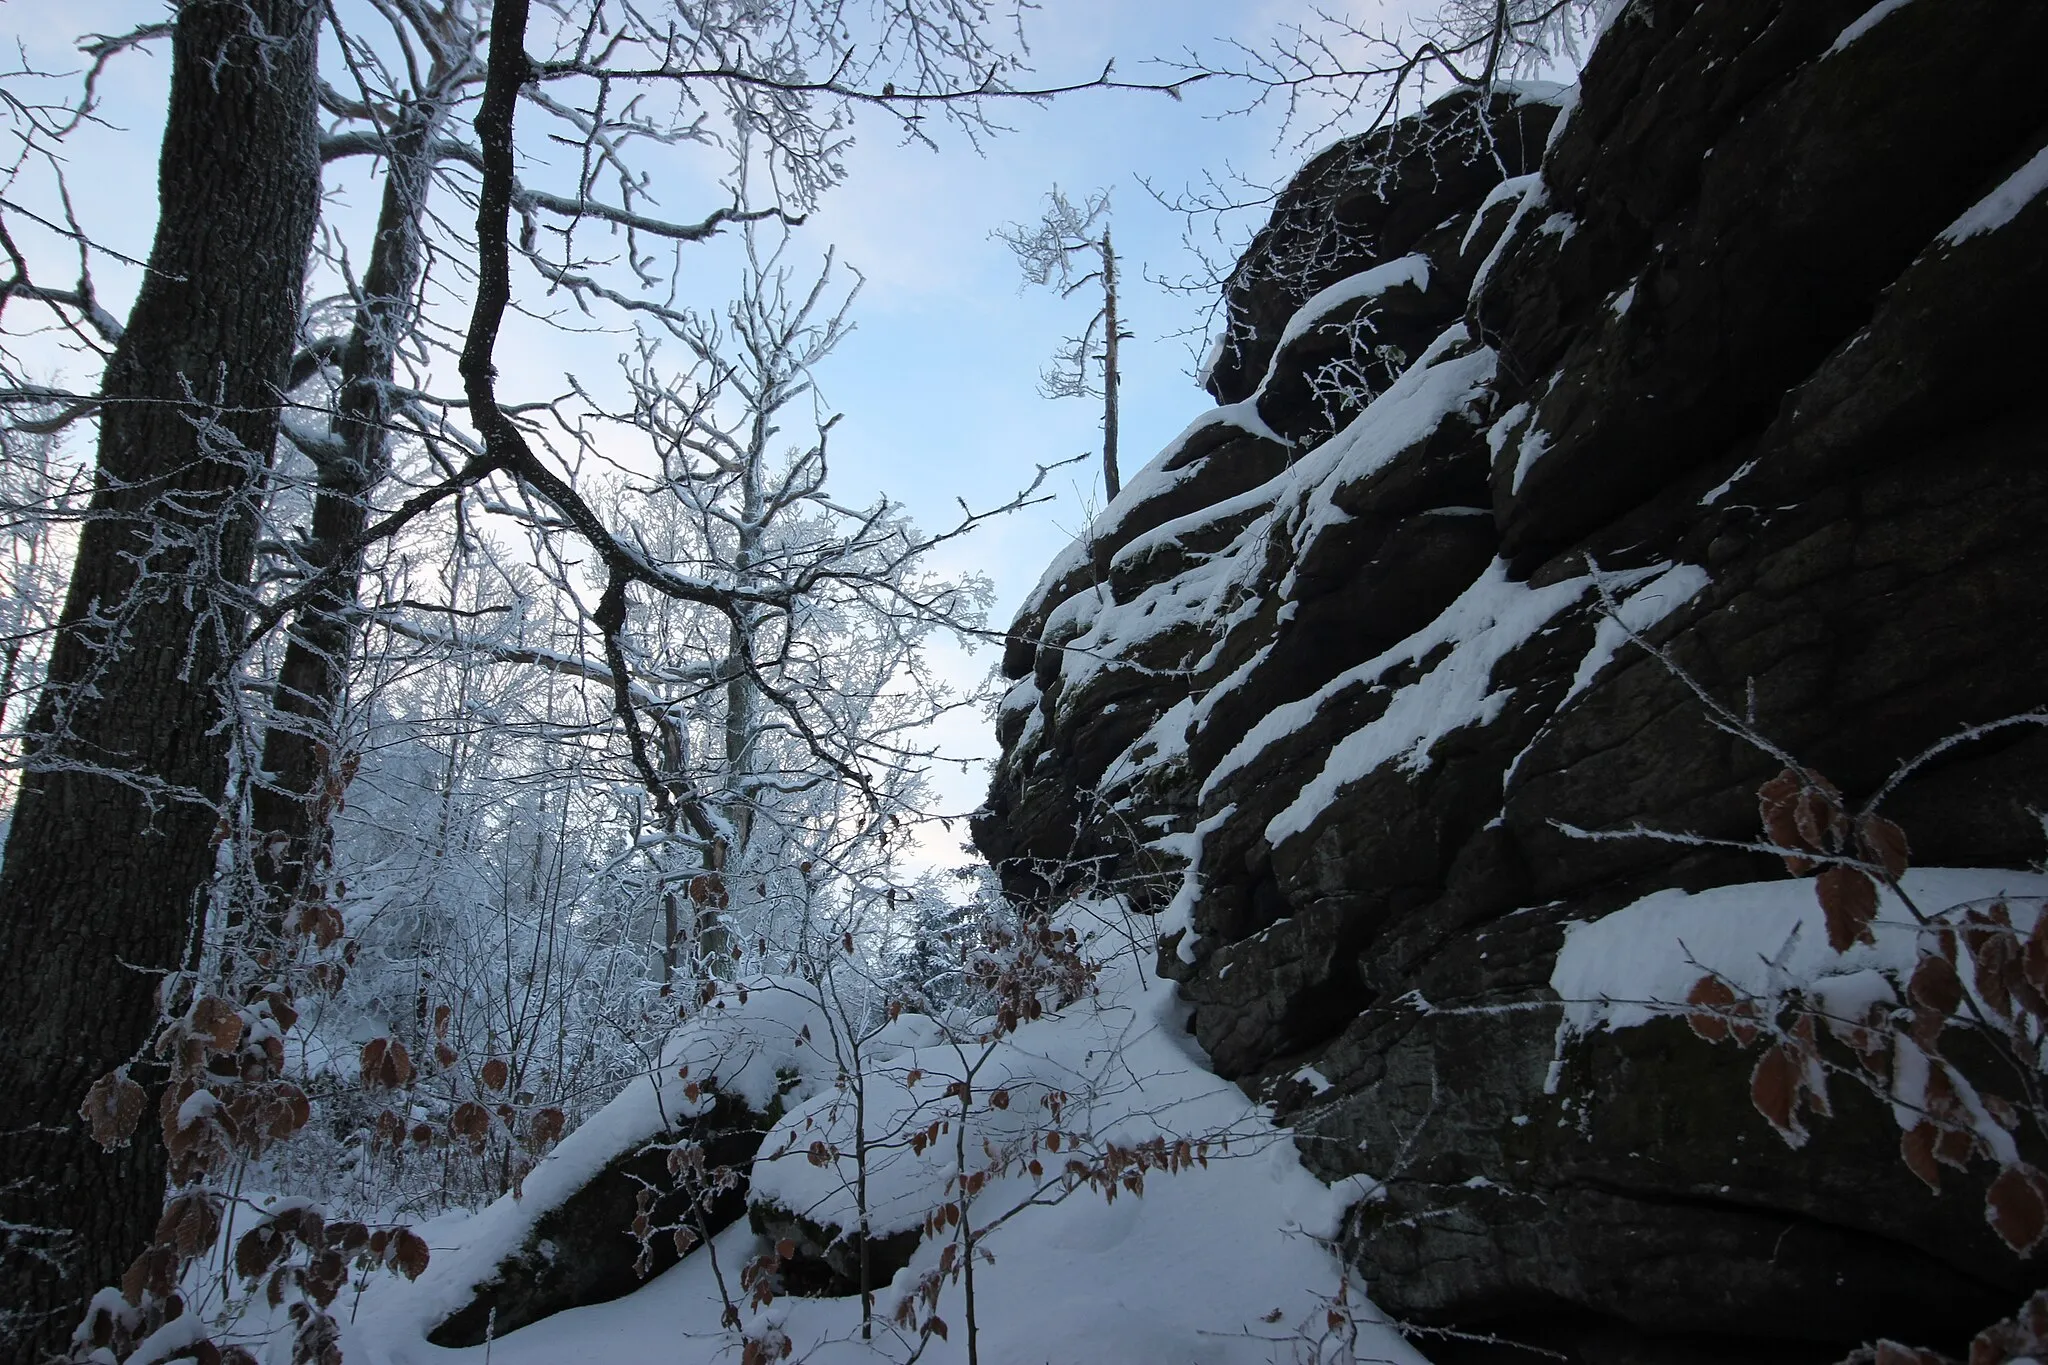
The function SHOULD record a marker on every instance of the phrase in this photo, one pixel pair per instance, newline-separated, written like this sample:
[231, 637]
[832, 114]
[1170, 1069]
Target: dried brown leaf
[1817, 811]
[1774, 1087]
[2016, 1206]
[1711, 998]
[409, 1253]
[1848, 901]
[1994, 954]
[259, 1249]
[347, 1237]
[2034, 957]
[1935, 985]
[326, 1273]
[2029, 1001]
[547, 1127]
[1775, 801]
[1955, 1147]
[152, 1274]
[112, 1108]
[1883, 843]
[471, 1122]
[218, 1022]
[1813, 1075]
[386, 1064]
[1916, 1149]
[2022, 1336]
[282, 1010]
[1743, 1024]
[190, 1222]
[371, 1060]
[1866, 1037]
[305, 1223]
[1925, 1029]
[289, 1110]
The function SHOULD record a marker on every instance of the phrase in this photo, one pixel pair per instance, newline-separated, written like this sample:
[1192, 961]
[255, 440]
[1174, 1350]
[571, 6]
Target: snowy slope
[1219, 1264]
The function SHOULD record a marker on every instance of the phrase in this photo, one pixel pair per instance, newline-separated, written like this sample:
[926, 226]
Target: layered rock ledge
[1735, 347]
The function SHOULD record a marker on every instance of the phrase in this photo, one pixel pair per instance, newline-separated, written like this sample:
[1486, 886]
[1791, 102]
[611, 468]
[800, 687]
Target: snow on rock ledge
[1763, 938]
[1785, 411]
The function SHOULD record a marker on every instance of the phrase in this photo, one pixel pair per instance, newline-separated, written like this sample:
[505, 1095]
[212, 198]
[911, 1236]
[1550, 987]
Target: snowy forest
[545, 821]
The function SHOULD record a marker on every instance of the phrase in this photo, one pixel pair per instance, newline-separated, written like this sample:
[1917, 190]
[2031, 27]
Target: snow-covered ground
[1220, 1264]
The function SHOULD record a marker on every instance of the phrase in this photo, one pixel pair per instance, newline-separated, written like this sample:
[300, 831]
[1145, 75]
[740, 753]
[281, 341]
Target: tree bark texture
[110, 852]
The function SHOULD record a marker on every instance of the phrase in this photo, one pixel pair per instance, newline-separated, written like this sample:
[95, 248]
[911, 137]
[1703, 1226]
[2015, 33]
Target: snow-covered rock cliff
[1737, 346]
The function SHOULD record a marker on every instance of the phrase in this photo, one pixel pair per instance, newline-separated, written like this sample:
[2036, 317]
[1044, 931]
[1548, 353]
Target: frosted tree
[158, 715]
[402, 118]
[150, 753]
[1069, 250]
[37, 490]
[780, 757]
[128, 751]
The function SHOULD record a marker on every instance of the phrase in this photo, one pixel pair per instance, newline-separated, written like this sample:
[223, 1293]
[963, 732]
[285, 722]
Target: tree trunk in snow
[293, 805]
[110, 852]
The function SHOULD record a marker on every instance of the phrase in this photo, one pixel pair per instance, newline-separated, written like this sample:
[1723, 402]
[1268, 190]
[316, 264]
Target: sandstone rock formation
[1738, 342]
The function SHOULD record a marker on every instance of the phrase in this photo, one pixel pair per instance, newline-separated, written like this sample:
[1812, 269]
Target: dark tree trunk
[110, 853]
[1112, 482]
[292, 805]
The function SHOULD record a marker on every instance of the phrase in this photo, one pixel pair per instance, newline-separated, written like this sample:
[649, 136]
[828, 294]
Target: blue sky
[938, 384]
